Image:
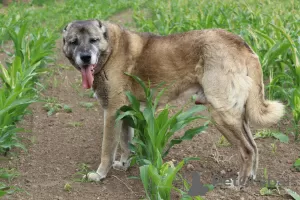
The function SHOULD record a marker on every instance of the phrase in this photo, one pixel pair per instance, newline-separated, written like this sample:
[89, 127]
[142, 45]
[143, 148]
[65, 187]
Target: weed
[75, 124]
[67, 108]
[68, 187]
[274, 147]
[87, 105]
[53, 107]
[223, 142]
[268, 133]
[269, 186]
[82, 171]
[297, 165]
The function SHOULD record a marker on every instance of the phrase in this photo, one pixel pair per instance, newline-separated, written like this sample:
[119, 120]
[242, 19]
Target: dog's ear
[65, 31]
[103, 28]
[99, 23]
[67, 27]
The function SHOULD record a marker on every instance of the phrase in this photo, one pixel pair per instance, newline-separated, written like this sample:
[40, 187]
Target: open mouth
[87, 74]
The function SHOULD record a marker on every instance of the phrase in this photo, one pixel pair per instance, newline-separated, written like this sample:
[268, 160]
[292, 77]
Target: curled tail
[261, 112]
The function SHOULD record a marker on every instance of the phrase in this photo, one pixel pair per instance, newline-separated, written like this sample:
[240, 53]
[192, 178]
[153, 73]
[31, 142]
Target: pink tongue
[87, 77]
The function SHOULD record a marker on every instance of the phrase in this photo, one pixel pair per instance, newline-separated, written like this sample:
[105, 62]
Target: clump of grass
[82, 171]
[87, 105]
[53, 108]
[75, 124]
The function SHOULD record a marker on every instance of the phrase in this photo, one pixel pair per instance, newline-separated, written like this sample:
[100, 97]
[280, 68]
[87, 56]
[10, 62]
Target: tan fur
[214, 64]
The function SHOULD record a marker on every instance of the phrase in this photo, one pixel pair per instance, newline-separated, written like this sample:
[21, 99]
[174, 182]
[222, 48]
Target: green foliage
[82, 171]
[153, 138]
[87, 105]
[7, 175]
[297, 165]
[269, 186]
[268, 133]
[154, 130]
[19, 77]
[293, 194]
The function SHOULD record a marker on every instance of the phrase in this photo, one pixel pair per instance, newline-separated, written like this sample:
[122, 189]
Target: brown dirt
[56, 149]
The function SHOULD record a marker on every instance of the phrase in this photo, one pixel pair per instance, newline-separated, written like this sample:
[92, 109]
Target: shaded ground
[59, 144]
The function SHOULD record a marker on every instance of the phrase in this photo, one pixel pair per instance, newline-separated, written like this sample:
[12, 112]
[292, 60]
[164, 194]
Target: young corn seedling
[8, 175]
[153, 138]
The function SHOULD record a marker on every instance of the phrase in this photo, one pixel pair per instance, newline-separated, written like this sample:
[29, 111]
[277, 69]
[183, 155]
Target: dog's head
[85, 44]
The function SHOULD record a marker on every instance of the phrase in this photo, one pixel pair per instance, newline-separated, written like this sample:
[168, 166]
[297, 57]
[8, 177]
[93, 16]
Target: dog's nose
[85, 57]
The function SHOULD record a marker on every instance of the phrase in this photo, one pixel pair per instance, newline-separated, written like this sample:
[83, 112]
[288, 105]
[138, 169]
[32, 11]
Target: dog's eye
[93, 40]
[74, 42]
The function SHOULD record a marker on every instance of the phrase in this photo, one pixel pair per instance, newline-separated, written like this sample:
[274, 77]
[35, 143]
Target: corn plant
[18, 78]
[153, 138]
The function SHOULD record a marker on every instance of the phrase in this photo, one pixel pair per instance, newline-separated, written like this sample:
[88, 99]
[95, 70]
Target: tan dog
[214, 64]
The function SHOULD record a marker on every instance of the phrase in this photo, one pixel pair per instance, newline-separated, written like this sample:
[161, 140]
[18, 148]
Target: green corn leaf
[16, 103]
[133, 101]
[189, 134]
[129, 113]
[293, 194]
[288, 37]
[278, 49]
[191, 112]
[5, 75]
[162, 118]
[2, 193]
[171, 176]
[137, 79]
[270, 41]
[153, 175]
[157, 98]
[145, 178]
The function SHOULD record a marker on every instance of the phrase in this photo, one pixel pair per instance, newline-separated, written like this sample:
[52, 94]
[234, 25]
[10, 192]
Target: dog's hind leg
[252, 142]
[125, 138]
[233, 130]
[227, 92]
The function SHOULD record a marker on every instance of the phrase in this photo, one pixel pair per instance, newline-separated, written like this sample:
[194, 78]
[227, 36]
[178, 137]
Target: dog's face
[86, 45]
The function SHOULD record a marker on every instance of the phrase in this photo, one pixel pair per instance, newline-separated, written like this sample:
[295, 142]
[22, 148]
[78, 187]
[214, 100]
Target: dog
[216, 65]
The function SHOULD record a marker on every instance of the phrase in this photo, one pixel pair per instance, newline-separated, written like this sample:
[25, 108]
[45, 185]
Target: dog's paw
[94, 176]
[122, 166]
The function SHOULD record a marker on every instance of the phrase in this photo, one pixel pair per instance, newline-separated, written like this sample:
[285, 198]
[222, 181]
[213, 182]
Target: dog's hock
[121, 166]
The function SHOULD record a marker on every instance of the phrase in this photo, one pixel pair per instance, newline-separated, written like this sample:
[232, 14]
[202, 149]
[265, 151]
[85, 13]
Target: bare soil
[57, 145]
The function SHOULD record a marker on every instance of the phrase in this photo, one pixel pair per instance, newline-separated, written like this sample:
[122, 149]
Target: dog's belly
[194, 94]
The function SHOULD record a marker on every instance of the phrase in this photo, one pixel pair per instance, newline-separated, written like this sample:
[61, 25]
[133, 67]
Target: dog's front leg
[109, 145]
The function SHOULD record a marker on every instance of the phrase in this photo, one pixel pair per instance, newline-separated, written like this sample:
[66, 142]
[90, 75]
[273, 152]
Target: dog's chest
[101, 88]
